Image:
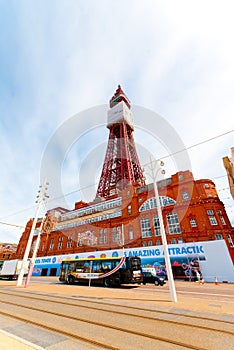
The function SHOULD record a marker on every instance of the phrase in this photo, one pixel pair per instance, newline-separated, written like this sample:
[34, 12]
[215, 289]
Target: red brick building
[192, 212]
[7, 251]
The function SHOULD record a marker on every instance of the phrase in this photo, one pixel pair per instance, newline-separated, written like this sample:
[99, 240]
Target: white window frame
[114, 234]
[130, 233]
[145, 228]
[101, 236]
[186, 196]
[157, 231]
[69, 242]
[129, 209]
[51, 244]
[105, 235]
[210, 212]
[223, 220]
[213, 220]
[193, 222]
[173, 223]
[229, 238]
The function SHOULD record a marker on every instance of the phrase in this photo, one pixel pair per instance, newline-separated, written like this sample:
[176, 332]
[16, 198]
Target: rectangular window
[145, 228]
[230, 240]
[114, 234]
[218, 236]
[157, 226]
[173, 241]
[158, 242]
[193, 223]
[51, 244]
[60, 243]
[130, 233]
[180, 240]
[69, 242]
[33, 245]
[222, 220]
[101, 236]
[79, 242]
[210, 212]
[213, 220]
[105, 235]
[173, 223]
[186, 196]
[119, 234]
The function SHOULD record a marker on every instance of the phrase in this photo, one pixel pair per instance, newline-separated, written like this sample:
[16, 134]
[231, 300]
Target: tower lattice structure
[121, 166]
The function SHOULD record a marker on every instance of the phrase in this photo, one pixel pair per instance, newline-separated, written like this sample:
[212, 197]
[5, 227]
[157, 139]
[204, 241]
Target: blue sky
[59, 59]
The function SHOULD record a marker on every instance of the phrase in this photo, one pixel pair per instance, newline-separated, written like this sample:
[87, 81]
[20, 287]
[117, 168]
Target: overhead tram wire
[219, 177]
[163, 157]
[195, 145]
[50, 200]
[6, 223]
[72, 192]
[17, 212]
[66, 195]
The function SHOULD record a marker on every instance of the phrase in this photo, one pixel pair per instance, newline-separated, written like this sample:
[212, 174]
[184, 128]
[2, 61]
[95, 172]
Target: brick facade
[192, 212]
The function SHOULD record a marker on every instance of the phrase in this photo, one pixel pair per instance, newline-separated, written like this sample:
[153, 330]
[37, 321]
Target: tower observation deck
[121, 166]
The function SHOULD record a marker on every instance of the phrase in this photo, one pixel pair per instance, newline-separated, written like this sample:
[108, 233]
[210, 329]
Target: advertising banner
[211, 258]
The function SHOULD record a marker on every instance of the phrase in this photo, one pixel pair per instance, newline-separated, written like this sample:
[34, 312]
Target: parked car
[148, 277]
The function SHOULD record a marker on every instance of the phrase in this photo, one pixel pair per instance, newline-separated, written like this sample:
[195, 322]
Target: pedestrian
[201, 278]
[198, 276]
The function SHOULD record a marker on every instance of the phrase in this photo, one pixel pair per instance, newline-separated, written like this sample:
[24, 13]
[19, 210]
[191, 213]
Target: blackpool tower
[121, 166]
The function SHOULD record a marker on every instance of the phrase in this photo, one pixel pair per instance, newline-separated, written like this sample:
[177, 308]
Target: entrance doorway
[53, 271]
[44, 272]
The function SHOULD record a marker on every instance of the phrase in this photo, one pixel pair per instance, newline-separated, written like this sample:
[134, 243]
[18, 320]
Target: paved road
[208, 299]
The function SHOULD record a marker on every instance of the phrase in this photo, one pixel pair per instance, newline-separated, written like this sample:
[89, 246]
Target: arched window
[151, 203]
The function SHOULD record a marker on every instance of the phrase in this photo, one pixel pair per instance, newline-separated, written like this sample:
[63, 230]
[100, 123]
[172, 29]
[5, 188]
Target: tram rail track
[182, 324]
[95, 305]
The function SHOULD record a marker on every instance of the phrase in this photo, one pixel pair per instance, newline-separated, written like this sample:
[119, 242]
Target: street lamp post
[32, 262]
[163, 233]
[24, 267]
[122, 242]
